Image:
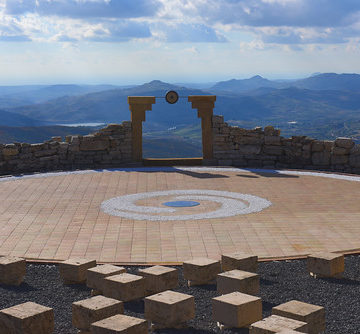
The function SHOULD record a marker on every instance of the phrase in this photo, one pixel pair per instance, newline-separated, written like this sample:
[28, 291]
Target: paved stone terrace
[54, 216]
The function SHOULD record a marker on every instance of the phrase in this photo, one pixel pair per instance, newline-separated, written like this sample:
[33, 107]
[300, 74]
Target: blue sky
[133, 41]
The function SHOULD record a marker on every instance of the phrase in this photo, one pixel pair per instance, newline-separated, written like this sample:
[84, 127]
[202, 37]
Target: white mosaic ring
[232, 204]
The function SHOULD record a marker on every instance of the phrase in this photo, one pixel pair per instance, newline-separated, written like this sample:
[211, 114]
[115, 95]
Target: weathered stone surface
[87, 311]
[201, 270]
[94, 144]
[238, 280]
[321, 158]
[236, 309]
[313, 315]
[274, 150]
[339, 159]
[272, 140]
[159, 278]
[169, 308]
[275, 324]
[95, 275]
[10, 150]
[250, 149]
[326, 264]
[354, 160]
[73, 271]
[27, 318]
[344, 142]
[241, 261]
[120, 324]
[124, 287]
[12, 270]
[317, 146]
[339, 150]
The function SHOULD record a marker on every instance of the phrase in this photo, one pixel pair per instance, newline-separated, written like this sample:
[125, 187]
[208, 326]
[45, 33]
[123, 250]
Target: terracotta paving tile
[59, 216]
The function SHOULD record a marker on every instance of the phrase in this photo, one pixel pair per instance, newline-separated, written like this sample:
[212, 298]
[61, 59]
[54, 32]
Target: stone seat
[124, 287]
[95, 275]
[238, 280]
[313, 315]
[169, 309]
[275, 324]
[73, 271]
[27, 318]
[241, 261]
[120, 324]
[87, 311]
[200, 271]
[236, 309]
[12, 270]
[159, 278]
[325, 265]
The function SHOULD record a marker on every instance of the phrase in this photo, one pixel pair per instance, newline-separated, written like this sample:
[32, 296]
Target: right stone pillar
[205, 105]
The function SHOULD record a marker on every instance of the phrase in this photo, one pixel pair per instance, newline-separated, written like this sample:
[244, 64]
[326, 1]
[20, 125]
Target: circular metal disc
[171, 97]
[182, 204]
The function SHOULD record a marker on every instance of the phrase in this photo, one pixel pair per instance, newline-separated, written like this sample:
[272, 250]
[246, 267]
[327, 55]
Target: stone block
[87, 311]
[94, 145]
[321, 158]
[73, 271]
[95, 275]
[200, 271]
[27, 318]
[159, 278]
[272, 140]
[236, 309]
[354, 160]
[339, 159]
[169, 309]
[120, 324]
[339, 150]
[241, 261]
[326, 265]
[313, 315]
[12, 270]
[275, 324]
[238, 280]
[250, 149]
[124, 287]
[273, 150]
[344, 142]
[288, 331]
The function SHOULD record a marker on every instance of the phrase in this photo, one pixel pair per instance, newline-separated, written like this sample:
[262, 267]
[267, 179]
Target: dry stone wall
[265, 148]
[109, 147]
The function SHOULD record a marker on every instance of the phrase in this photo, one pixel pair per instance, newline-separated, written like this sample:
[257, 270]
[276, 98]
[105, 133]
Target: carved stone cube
[95, 275]
[236, 309]
[87, 311]
[200, 271]
[120, 324]
[159, 278]
[238, 280]
[241, 261]
[275, 324]
[169, 309]
[124, 287]
[27, 318]
[73, 271]
[326, 265]
[12, 270]
[311, 314]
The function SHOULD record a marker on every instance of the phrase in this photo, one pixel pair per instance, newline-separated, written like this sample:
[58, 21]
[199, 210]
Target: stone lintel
[141, 100]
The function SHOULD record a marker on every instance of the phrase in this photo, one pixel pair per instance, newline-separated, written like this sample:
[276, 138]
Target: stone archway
[204, 104]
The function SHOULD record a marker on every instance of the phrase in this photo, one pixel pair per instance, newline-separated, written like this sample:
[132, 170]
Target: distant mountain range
[314, 106]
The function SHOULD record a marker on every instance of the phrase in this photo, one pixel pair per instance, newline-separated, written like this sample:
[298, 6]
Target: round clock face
[171, 97]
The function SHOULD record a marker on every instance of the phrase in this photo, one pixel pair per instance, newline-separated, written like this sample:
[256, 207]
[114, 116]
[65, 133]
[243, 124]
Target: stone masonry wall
[109, 147]
[265, 148]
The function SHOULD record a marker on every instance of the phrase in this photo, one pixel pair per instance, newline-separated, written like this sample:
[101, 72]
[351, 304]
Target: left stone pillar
[138, 105]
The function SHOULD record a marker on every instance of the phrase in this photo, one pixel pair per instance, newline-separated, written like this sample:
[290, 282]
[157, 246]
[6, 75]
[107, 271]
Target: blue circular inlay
[181, 204]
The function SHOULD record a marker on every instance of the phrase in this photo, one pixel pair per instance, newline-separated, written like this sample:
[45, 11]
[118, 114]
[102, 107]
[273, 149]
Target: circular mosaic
[231, 204]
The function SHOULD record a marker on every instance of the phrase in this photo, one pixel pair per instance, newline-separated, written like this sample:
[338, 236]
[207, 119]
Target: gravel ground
[280, 282]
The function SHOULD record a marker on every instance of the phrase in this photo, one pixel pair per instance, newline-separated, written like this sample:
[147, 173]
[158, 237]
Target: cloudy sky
[133, 41]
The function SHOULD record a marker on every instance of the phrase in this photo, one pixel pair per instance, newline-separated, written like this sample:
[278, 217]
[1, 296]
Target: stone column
[205, 105]
[138, 105]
